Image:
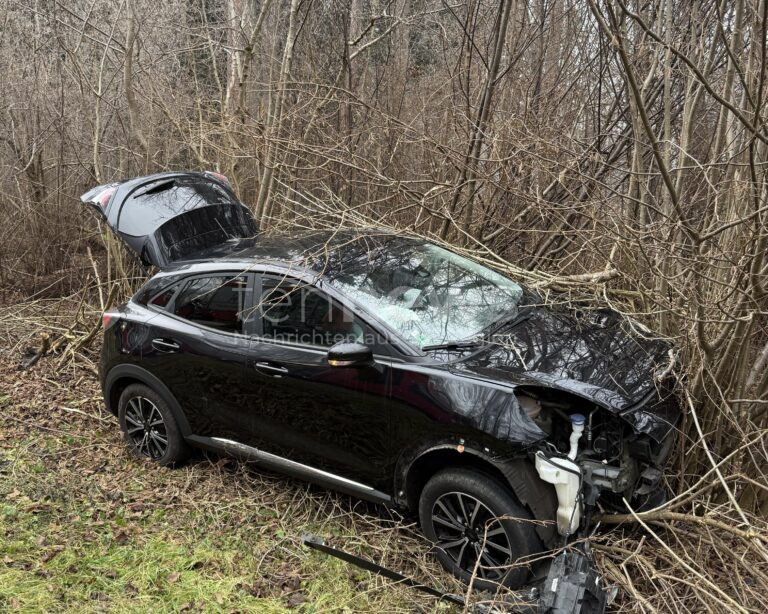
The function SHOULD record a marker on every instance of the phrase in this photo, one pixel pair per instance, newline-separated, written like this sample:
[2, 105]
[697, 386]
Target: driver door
[335, 419]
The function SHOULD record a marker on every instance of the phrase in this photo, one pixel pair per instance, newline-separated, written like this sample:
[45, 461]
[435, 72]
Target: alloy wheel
[467, 530]
[145, 427]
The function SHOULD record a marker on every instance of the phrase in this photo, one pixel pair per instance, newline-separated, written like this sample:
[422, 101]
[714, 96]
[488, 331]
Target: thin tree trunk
[480, 124]
[275, 122]
[137, 135]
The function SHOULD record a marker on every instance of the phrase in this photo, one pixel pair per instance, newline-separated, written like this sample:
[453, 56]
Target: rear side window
[217, 302]
[157, 286]
[162, 299]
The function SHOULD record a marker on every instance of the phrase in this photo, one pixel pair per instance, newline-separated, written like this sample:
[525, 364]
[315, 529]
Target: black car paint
[415, 403]
[140, 225]
[374, 424]
[371, 424]
[304, 411]
[338, 419]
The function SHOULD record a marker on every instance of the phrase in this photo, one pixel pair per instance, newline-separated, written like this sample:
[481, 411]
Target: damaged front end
[570, 448]
[598, 459]
[595, 456]
[601, 455]
[600, 393]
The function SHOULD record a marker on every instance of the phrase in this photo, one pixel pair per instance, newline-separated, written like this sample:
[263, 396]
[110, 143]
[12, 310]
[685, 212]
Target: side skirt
[291, 468]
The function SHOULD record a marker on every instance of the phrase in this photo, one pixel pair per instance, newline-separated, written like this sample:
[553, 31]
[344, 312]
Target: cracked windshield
[429, 295]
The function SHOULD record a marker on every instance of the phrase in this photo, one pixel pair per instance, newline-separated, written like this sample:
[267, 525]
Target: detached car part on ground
[382, 366]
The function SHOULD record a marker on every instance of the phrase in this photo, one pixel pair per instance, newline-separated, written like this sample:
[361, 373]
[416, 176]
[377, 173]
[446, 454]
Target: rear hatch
[173, 216]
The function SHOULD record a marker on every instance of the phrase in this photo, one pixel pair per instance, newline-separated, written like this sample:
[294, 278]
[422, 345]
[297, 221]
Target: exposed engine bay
[593, 458]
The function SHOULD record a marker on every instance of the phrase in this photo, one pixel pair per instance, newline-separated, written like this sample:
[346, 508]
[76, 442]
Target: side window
[298, 313]
[162, 299]
[213, 301]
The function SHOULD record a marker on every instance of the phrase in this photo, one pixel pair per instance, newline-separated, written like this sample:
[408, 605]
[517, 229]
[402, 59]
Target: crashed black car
[383, 366]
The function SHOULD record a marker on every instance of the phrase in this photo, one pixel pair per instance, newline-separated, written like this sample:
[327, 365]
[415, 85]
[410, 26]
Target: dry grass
[88, 527]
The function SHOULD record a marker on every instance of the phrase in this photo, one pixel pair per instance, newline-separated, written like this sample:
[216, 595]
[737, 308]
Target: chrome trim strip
[279, 460]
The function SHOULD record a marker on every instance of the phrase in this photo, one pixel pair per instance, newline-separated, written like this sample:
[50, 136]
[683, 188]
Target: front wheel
[478, 528]
[148, 426]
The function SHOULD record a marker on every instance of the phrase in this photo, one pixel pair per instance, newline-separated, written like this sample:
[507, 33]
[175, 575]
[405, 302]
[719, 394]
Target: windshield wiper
[451, 345]
[511, 320]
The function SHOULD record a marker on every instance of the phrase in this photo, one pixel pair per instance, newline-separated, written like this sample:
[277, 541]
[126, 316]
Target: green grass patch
[61, 559]
[85, 527]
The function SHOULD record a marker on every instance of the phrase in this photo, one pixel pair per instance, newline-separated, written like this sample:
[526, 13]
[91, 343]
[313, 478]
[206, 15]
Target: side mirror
[350, 355]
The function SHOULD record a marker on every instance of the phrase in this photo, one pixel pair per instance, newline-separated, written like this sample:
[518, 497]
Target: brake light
[218, 176]
[104, 196]
[109, 318]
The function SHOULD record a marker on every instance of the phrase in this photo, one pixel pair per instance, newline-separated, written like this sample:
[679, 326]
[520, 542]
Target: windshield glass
[428, 294]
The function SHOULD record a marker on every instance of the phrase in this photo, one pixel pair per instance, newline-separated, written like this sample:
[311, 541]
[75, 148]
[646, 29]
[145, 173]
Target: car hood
[597, 355]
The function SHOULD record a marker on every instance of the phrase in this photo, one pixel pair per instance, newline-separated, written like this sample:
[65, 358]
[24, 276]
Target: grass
[86, 527]
[91, 560]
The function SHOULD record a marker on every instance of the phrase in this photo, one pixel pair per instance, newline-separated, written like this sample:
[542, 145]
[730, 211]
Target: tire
[149, 427]
[457, 546]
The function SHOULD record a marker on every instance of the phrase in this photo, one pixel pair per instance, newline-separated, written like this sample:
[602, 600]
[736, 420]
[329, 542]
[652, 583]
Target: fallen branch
[581, 278]
[69, 339]
[662, 515]
[45, 346]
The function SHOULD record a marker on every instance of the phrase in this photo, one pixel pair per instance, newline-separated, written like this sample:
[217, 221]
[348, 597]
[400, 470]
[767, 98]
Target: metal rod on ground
[317, 543]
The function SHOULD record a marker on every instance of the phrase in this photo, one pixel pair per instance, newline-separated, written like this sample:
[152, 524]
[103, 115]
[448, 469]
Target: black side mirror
[350, 355]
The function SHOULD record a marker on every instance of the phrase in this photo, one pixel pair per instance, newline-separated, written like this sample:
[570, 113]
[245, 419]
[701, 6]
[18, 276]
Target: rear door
[196, 346]
[331, 418]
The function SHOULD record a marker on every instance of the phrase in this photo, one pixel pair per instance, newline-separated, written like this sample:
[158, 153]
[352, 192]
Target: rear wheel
[478, 528]
[148, 426]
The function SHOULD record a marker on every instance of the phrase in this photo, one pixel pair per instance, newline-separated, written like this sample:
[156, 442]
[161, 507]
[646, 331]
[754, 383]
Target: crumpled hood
[593, 354]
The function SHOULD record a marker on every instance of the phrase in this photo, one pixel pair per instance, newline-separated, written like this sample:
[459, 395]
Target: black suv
[383, 366]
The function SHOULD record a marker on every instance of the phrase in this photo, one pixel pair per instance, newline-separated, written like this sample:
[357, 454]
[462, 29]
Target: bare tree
[612, 150]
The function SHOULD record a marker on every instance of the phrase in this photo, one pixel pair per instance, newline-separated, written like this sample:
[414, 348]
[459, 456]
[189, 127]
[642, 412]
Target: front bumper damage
[573, 585]
[569, 582]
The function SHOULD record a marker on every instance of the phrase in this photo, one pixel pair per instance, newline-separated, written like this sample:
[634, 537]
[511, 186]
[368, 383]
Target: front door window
[297, 313]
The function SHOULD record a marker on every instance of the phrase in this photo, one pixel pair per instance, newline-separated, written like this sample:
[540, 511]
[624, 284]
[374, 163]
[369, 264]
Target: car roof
[310, 249]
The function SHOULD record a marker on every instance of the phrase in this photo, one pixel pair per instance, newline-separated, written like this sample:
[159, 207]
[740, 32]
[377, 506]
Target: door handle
[165, 345]
[273, 370]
